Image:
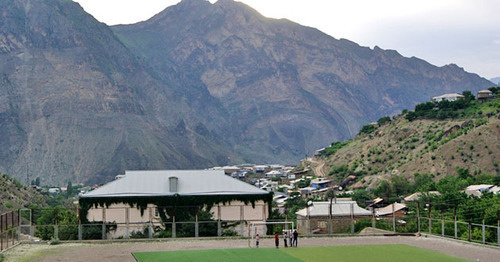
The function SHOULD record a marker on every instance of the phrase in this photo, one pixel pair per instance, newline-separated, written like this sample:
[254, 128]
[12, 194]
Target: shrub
[367, 129]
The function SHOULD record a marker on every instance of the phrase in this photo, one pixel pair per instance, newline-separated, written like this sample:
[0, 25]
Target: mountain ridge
[197, 85]
[248, 57]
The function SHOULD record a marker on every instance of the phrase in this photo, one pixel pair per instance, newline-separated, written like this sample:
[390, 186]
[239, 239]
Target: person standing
[295, 237]
[291, 238]
[276, 239]
[285, 237]
[257, 238]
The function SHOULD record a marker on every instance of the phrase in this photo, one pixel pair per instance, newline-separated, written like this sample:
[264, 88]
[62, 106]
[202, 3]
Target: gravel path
[122, 251]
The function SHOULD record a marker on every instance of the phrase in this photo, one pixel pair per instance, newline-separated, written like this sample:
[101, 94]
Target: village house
[484, 95]
[134, 199]
[320, 183]
[314, 219]
[478, 190]
[396, 210]
[448, 97]
[417, 195]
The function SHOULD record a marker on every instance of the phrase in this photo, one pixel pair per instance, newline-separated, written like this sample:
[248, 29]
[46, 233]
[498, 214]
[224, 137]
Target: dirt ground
[87, 252]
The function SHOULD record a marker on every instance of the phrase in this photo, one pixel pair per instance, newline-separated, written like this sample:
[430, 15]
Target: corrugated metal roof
[190, 183]
[342, 208]
[388, 209]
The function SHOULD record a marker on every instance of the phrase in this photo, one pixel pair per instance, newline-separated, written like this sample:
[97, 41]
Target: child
[285, 237]
[276, 239]
[257, 240]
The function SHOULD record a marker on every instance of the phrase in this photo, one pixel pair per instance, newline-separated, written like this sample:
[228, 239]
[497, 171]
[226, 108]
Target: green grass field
[327, 253]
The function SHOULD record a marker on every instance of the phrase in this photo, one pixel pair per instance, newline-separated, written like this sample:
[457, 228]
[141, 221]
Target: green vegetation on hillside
[15, 195]
[464, 107]
[429, 146]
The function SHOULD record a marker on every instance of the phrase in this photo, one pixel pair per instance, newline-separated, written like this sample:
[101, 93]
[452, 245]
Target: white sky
[464, 32]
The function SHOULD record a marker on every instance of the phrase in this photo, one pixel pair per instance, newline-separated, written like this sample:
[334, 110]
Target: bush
[367, 129]
[383, 120]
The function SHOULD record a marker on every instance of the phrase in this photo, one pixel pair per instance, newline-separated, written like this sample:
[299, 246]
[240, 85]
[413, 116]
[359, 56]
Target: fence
[9, 223]
[126, 223]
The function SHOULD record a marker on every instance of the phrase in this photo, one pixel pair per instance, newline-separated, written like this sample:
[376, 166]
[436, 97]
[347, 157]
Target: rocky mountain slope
[197, 85]
[75, 104]
[287, 89]
[425, 146]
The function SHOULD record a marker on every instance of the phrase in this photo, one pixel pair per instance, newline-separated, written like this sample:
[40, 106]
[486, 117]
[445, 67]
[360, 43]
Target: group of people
[287, 234]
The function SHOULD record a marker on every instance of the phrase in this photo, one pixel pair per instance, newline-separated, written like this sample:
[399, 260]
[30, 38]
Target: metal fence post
[352, 218]
[19, 225]
[455, 221]
[374, 225]
[393, 217]
[418, 217]
[174, 226]
[430, 218]
[483, 229]
[196, 224]
[127, 221]
[469, 226]
[308, 221]
[242, 218]
[32, 230]
[442, 220]
[79, 232]
[150, 225]
[219, 223]
[103, 231]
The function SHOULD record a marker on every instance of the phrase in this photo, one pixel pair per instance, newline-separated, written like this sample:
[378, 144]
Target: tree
[361, 196]
[57, 216]
[383, 190]
[468, 96]
[383, 120]
[423, 183]
[463, 173]
[69, 189]
[367, 129]
[411, 116]
[400, 185]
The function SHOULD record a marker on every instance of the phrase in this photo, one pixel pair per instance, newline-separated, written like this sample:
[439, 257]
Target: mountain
[287, 89]
[75, 103]
[195, 86]
[424, 146]
[495, 80]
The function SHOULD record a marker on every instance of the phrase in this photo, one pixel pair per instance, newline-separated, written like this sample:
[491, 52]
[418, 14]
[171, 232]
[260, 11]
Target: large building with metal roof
[141, 197]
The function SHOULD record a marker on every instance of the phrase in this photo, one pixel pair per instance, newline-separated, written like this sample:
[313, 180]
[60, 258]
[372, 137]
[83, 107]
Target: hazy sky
[464, 32]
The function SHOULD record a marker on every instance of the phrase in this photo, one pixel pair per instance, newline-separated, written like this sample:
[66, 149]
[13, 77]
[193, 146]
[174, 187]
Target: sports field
[324, 253]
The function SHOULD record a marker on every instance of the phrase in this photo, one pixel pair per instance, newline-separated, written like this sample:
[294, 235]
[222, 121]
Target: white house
[448, 97]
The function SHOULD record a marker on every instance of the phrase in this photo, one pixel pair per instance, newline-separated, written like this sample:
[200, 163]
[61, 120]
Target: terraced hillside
[403, 147]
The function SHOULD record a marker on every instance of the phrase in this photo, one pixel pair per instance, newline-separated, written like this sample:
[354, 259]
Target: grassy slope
[403, 147]
[14, 195]
[330, 253]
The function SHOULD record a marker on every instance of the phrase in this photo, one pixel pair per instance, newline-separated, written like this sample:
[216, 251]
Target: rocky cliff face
[287, 89]
[192, 87]
[76, 105]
